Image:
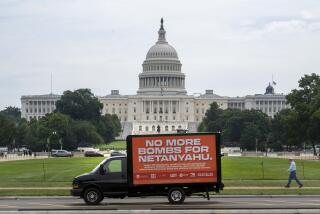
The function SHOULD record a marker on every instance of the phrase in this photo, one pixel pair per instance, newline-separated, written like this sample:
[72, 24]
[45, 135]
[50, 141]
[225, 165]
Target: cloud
[300, 23]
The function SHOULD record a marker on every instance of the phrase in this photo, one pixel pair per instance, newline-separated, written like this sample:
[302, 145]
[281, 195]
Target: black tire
[176, 195]
[92, 196]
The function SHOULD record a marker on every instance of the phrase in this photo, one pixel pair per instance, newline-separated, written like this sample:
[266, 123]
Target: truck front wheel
[176, 195]
[92, 196]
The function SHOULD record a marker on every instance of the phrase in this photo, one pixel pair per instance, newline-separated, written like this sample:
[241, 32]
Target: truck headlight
[75, 184]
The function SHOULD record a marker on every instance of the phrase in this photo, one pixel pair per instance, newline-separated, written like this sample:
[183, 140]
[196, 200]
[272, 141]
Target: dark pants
[293, 176]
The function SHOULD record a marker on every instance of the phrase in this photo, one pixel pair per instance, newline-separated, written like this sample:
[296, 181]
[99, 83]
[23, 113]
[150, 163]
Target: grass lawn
[236, 171]
[115, 145]
[257, 168]
[45, 172]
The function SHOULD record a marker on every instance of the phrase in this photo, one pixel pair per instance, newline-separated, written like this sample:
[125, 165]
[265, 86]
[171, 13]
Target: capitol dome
[162, 50]
[161, 70]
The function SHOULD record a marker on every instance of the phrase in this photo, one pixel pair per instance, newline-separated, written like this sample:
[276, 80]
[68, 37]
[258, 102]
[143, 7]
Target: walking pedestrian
[292, 174]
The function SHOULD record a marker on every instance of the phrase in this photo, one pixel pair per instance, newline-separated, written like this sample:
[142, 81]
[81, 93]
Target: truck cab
[108, 179]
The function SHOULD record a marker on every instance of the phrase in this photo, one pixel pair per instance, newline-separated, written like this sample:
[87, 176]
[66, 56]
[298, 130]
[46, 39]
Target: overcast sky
[231, 46]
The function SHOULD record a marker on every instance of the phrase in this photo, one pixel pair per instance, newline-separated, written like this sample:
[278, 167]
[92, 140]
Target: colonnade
[157, 82]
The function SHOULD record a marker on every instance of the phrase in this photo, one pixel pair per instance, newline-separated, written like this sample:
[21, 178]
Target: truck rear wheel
[92, 196]
[176, 195]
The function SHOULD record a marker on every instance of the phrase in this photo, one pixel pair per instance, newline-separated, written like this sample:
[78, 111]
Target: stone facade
[37, 106]
[162, 99]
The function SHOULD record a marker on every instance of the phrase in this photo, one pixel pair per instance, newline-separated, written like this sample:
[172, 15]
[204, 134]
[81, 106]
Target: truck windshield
[96, 169]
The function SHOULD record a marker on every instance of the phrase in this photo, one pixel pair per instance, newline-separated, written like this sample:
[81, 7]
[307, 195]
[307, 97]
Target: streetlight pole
[48, 145]
[48, 141]
[60, 141]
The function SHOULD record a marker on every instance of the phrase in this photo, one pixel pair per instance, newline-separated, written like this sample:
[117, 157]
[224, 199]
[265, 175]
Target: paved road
[161, 203]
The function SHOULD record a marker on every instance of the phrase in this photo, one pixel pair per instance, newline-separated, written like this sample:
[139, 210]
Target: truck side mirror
[101, 170]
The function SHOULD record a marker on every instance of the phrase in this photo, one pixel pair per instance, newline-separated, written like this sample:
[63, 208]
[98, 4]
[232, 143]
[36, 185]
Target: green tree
[82, 133]
[283, 130]
[108, 127]
[80, 104]
[306, 102]
[211, 122]
[249, 134]
[12, 112]
[7, 130]
[247, 125]
[20, 135]
[240, 128]
[53, 129]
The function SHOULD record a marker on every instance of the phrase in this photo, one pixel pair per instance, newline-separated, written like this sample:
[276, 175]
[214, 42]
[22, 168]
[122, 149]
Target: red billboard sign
[174, 159]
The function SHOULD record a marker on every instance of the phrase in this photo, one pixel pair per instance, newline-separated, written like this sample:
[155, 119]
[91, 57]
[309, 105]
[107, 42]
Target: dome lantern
[162, 34]
[269, 89]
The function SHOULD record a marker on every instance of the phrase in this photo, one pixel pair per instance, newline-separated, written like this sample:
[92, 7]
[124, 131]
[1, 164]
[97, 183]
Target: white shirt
[292, 166]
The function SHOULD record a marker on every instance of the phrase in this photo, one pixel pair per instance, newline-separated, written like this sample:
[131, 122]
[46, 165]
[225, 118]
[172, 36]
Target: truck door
[114, 180]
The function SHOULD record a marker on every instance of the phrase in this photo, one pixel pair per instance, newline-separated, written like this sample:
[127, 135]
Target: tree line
[291, 129]
[77, 121]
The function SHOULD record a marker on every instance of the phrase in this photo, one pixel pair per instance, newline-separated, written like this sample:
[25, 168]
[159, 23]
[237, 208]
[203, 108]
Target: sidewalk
[14, 157]
[226, 188]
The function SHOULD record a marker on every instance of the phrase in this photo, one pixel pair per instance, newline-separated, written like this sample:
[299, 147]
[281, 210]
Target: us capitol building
[162, 99]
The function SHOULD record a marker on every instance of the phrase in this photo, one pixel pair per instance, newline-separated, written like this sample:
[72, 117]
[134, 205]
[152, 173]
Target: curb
[212, 196]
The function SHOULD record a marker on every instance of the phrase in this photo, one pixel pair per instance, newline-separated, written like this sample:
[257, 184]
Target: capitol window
[140, 128]
[134, 117]
[153, 128]
[147, 128]
[173, 128]
[166, 128]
